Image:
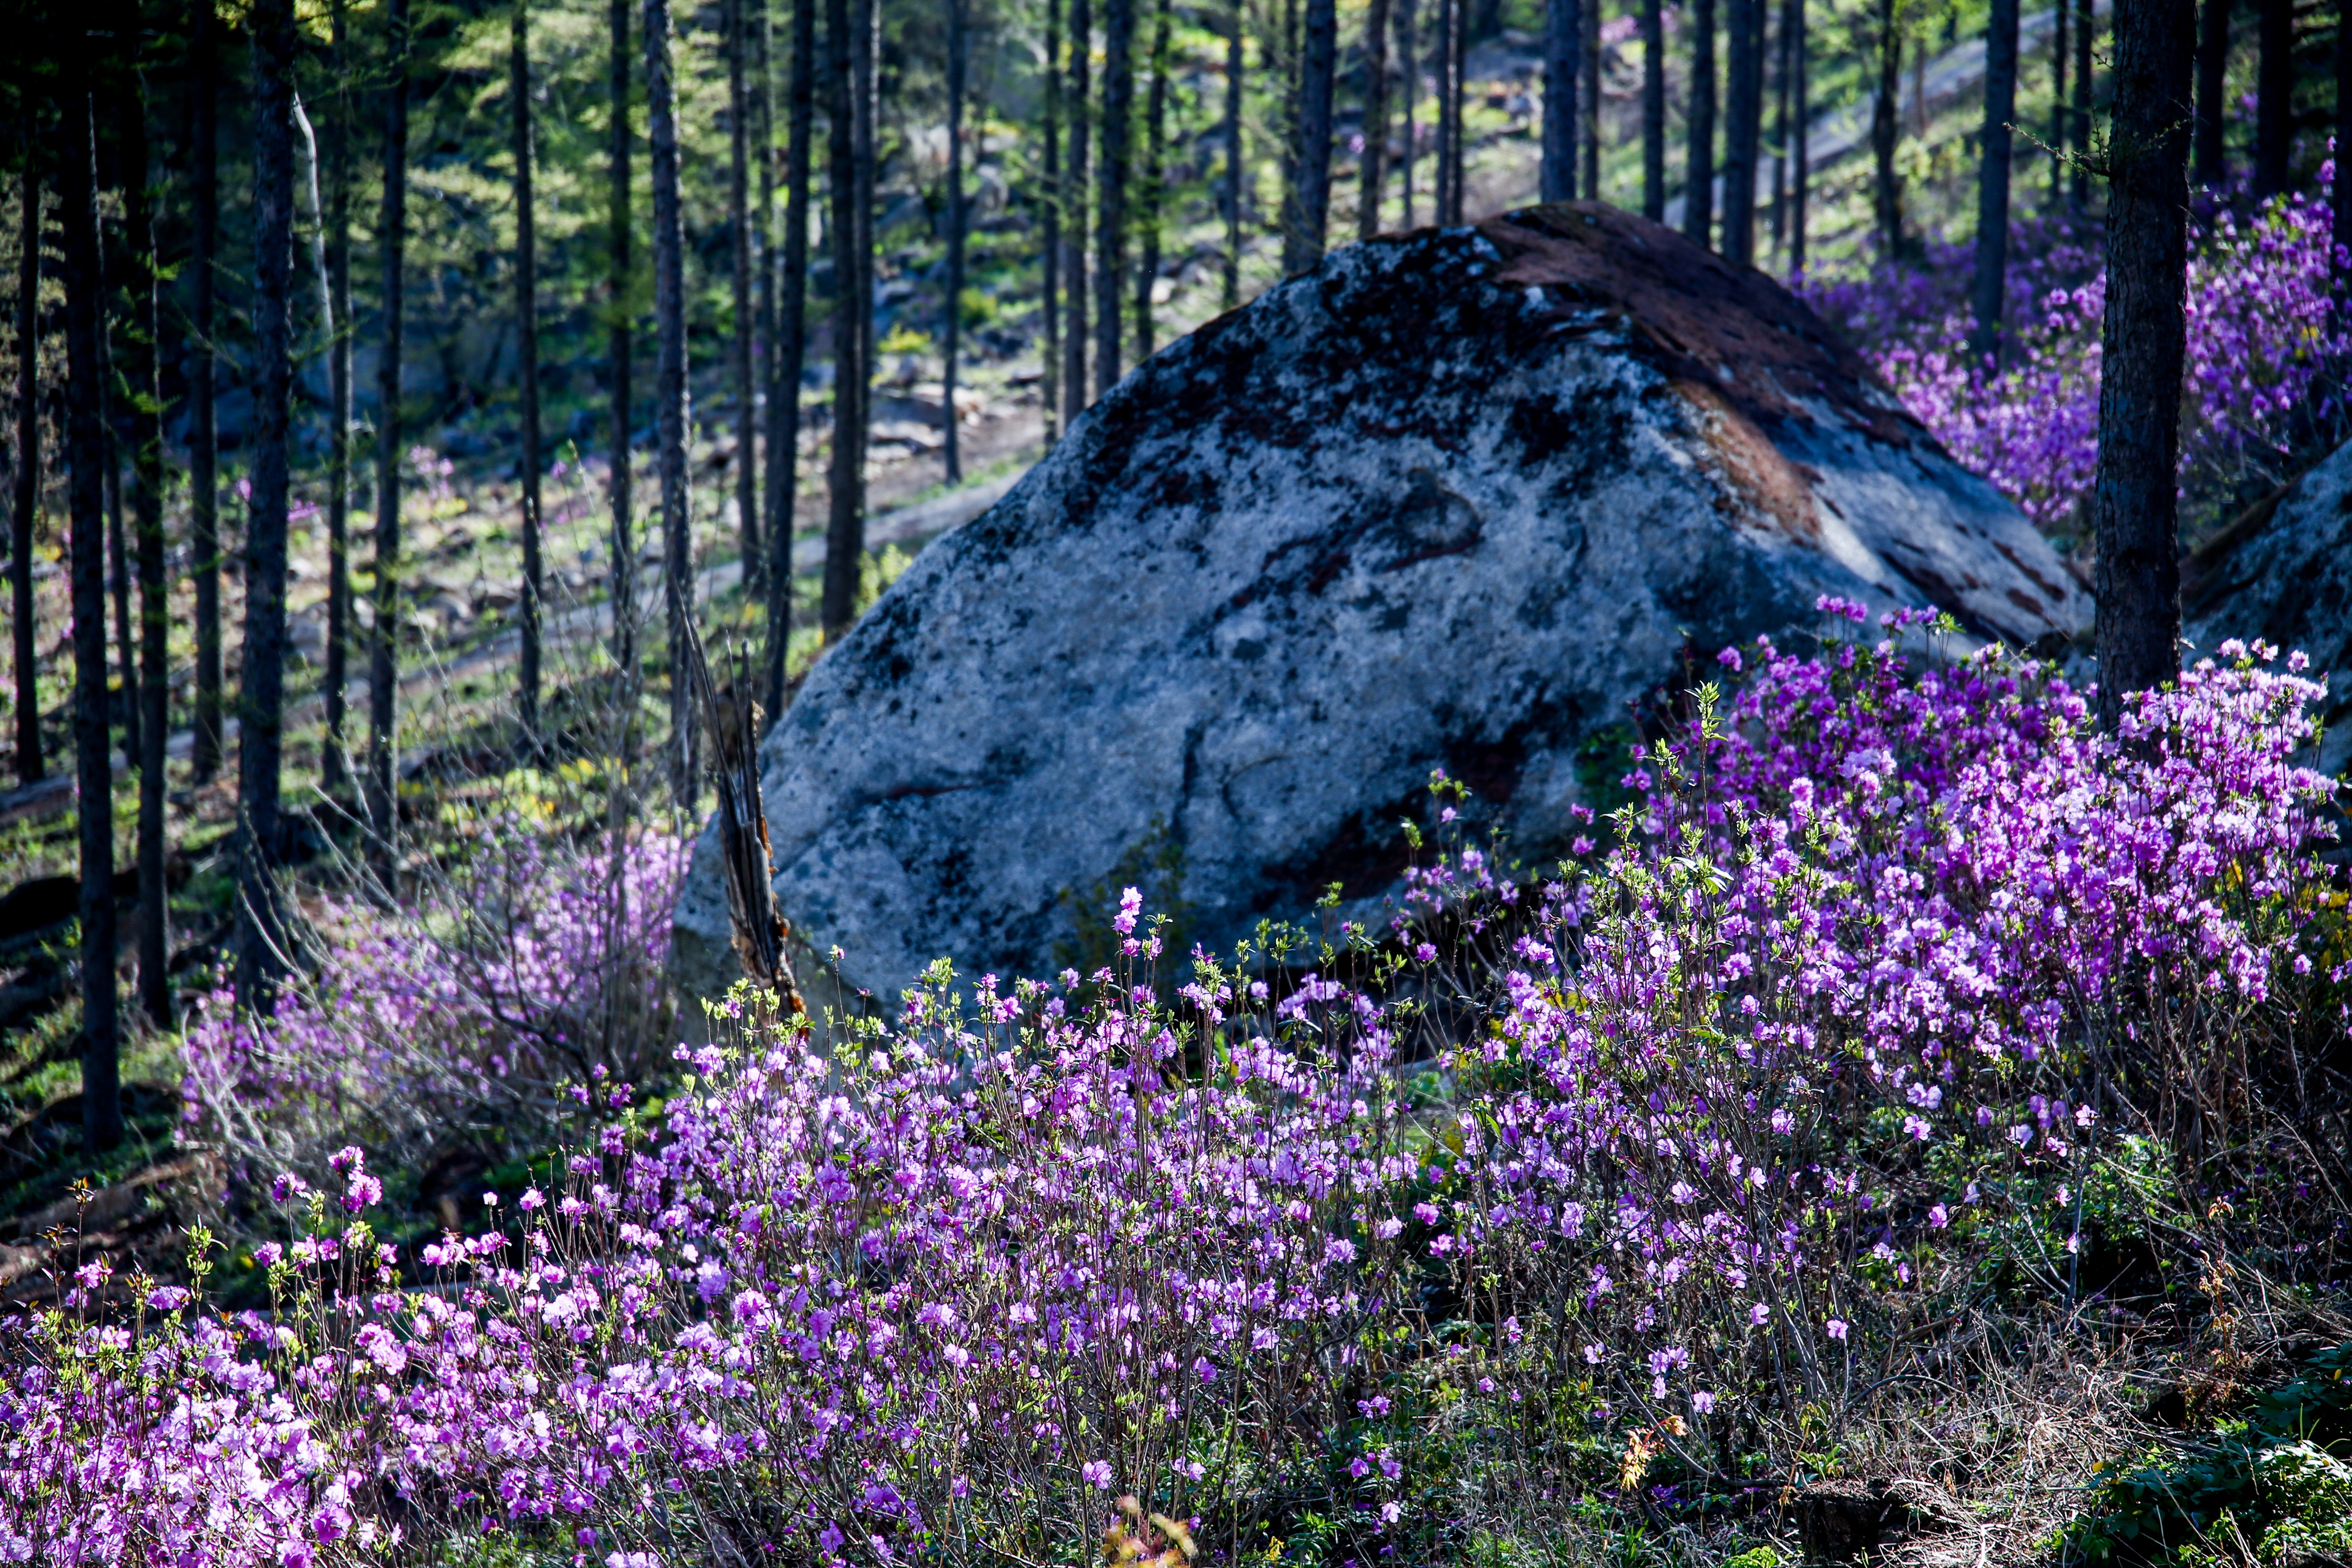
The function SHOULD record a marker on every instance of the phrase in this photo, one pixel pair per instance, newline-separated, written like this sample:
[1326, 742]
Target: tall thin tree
[2142, 344]
[1800, 150]
[785, 394]
[1317, 70]
[262, 686]
[204, 362]
[952, 324]
[744, 274]
[1234, 39]
[621, 351]
[2061, 13]
[27, 501]
[2078, 131]
[1449, 124]
[1111, 189]
[1653, 26]
[1699, 162]
[845, 524]
[526, 458]
[384, 640]
[1151, 221]
[670, 407]
[102, 1067]
[1778, 57]
[1562, 35]
[2273, 94]
[1588, 97]
[1373, 167]
[1885, 127]
[1049, 228]
[113, 411]
[2210, 149]
[1074, 215]
[1742, 122]
[334, 761]
[1991, 277]
[144, 423]
[1408, 18]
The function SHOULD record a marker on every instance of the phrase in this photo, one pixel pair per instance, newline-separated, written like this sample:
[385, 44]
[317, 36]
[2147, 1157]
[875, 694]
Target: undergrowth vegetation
[1903, 1021]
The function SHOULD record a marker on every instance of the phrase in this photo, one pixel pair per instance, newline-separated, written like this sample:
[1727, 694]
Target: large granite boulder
[1455, 500]
[2283, 572]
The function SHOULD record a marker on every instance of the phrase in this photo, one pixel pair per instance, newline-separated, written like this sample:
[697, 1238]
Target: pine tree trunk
[204, 447]
[1654, 111]
[1887, 196]
[1991, 279]
[526, 459]
[1743, 119]
[2273, 94]
[784, 397]
[1373, 170]
[1316, 85]
[1698, 170]
[2142, 339]
[1074, 218]
[952, 324]
[1779, 58]
[1049, 309]
[2058, 60]
[1588, 100]
[334, 762]
[1283, 68]
[1408, 73]
[261, 694]
[118, 564]
[1110, 193]
[1563, 33]
[1800, 154]
[384, 640]
[746, 261]
[28, 497]
[2079, 133]
[1448, 124]
[621, 355]
[2213, 68]
[1458, 94]
[670, 409]
[101, 1081]
[845, 526]
[144, 423]
[1234, 64]
[1152, 220]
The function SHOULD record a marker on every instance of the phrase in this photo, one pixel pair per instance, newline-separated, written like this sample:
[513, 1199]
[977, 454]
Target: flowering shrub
[531, 962]
[1899, 979]
[2266, 341]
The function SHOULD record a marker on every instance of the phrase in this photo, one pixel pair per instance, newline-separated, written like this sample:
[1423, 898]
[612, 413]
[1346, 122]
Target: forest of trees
[262, 252]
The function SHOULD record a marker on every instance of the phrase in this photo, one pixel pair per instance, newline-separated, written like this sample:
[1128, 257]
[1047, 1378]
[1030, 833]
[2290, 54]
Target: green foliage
[2276, 1479]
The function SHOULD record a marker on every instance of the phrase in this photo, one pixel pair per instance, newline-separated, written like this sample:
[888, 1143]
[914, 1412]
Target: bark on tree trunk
[2058, 47]
[845, 528]
[261, 697]
[1373, 169]
[1991, 279]
[746, 260]
[2273, 95]
[384, 640]
[527, 461]
[1448, 123]
[204, 447]
[1151, 218]
[28, 498]
[621, 351]
[1110, 194]
[1074, 218]
[1233, 66]
[144, 420]
[1654, 112]
[671, 411]
[784, 397]
[1779, 56]
[952, 327]
[1408, 16]
[1316, 76]
[1698, 167]
[2079, 135]
[102, 1081]
[1800, 163]
[1587, 101]
[1743, 119]
[1887, 196]
[1563, 32]
[2142, 341]
[334, 763]
[126, 645]
[1050, 225]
